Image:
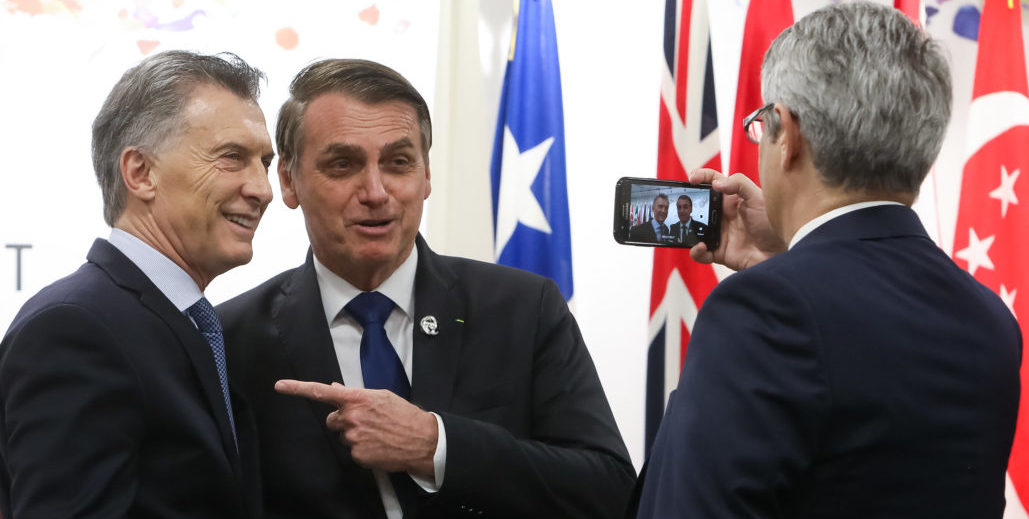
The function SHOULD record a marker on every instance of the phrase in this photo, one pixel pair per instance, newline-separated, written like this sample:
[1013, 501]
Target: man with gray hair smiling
[850, 369]
[114, 396]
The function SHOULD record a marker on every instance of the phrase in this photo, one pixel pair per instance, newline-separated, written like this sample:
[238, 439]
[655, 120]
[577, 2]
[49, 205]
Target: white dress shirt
[346, 339]
[164, 273]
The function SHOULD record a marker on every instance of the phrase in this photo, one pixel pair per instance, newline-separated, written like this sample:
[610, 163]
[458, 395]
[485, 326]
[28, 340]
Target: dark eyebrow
[397, 145]
[338, 148]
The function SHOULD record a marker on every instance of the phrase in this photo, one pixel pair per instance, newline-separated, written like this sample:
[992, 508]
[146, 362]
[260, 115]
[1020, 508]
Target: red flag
[765, 20]
[912, 8]
[687, 139]
[993, 220]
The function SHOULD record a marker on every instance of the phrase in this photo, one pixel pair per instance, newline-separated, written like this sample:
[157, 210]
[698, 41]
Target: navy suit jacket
[529, 429]
[861, 374]
[644, 232]
[110, 406]
[694, 232]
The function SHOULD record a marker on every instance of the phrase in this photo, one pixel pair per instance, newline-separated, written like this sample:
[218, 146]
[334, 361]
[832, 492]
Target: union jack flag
[688, 139]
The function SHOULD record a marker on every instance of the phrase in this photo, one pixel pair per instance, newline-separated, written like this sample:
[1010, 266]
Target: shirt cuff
[439, 460]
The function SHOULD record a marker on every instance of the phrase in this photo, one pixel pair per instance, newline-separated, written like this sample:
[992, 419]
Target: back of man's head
[143, 109]
[871, 92]
[366, 81]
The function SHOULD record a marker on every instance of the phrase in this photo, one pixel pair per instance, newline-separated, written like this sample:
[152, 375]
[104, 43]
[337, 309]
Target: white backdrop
[59, 59]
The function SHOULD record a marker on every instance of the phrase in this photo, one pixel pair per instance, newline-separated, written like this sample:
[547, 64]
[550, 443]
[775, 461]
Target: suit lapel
[128, 276]
[300, 319]
[435, 356]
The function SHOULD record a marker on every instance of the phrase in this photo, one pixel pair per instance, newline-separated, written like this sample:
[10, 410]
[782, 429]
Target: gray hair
[871, 92]
[366, 81]
[659, 195]
[144, 110]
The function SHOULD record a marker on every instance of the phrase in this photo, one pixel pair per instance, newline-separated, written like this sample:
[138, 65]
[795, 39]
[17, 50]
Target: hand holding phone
[747, 235]
[666, 213]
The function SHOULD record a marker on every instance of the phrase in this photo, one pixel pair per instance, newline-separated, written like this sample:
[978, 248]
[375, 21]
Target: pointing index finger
[336, 394]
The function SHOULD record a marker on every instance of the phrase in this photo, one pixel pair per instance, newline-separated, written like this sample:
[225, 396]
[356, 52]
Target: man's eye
[400, 162]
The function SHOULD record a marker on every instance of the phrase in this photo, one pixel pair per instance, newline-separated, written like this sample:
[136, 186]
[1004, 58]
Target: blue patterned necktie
[380, 366]
[207, 321]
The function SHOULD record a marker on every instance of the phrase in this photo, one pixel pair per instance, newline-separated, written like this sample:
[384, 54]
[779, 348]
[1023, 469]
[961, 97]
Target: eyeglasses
[753, 124]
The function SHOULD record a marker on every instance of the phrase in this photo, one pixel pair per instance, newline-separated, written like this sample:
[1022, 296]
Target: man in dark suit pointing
[468, 389]
[114, 399]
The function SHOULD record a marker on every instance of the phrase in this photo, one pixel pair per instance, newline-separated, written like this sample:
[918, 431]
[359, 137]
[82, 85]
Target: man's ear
[289, 192]
[428, 183]
[790, 141]
[137, 174]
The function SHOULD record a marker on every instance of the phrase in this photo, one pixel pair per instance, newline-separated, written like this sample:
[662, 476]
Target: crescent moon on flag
[993, 114]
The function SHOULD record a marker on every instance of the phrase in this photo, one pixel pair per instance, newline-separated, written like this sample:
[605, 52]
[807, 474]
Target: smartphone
[666, 213]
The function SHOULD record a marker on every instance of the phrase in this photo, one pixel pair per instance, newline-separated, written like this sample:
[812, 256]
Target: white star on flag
[516, 202]
[1009, 298]
[977, 252]
[1006, 191]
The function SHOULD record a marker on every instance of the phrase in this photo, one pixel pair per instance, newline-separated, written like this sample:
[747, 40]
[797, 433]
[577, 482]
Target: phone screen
[666, 213]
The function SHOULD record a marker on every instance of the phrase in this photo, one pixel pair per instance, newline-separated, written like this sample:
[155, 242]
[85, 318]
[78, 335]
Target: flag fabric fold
[992, 228]
[913, 9]
[528, 176]
[765, 20]
[687, 139]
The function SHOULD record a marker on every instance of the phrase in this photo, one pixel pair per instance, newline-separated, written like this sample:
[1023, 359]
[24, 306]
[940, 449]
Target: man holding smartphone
[850, 369]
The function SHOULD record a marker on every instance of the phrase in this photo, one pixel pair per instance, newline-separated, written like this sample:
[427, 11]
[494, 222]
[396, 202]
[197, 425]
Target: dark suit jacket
[643, 232]
[862, 374]
[693, 233]
[529, 430]
[106, 398]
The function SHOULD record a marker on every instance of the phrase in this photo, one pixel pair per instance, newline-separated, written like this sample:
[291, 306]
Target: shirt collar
[164, 273]
[337, 292]
[807, 228]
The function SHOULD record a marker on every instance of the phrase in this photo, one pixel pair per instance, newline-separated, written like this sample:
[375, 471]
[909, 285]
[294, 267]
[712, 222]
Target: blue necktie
[380, 365]
[207, 321]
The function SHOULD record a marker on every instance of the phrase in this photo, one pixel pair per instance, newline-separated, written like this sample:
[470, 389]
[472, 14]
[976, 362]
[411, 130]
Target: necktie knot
[204, 315]
[370, 308]
[380, 366]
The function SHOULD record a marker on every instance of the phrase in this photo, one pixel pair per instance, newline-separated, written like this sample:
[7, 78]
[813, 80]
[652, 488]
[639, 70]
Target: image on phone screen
[666, 213]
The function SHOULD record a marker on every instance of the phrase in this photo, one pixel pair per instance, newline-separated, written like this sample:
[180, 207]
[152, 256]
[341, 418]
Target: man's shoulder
[257, 300]
[471, 272]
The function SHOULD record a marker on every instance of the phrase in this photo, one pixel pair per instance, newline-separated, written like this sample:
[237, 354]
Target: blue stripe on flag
[530, 194]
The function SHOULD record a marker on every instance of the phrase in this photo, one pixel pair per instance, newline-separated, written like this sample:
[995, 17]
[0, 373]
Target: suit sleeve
[573, 465]
[741, 428]
[69, 432]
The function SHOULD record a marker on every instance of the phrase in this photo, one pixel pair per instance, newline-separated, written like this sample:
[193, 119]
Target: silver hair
[144, 110]
[871, 92]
